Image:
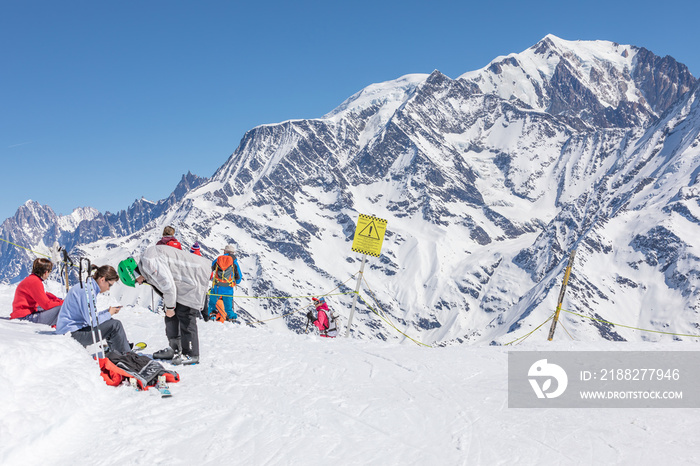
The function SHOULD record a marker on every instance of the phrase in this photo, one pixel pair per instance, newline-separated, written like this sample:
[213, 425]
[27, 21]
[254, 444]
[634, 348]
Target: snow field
[261, 396]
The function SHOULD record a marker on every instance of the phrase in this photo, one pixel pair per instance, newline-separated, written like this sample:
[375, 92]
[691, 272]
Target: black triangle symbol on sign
[370, 231]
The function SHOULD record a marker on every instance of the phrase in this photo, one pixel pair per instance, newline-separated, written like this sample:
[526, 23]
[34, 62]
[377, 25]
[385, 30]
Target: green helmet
[126, 271]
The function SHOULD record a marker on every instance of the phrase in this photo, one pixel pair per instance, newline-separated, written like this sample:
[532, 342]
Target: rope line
[279, 297]
[40, 254]
[521, 339]
[330, 293]
[385, 318]
[634, 328]
[26, 249]
[567, 332]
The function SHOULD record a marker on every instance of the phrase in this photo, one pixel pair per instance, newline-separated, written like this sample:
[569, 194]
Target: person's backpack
[226, 271]
[332, 325]
[174, 243]
[170, 241]
[220, 314]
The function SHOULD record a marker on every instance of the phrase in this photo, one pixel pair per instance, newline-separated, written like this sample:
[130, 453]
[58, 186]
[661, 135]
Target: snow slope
[262, 396]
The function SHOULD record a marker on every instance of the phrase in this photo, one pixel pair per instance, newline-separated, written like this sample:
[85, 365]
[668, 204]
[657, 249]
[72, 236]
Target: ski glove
[310, 316]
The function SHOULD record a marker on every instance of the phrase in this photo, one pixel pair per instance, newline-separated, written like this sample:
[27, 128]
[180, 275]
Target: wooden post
[561, 295]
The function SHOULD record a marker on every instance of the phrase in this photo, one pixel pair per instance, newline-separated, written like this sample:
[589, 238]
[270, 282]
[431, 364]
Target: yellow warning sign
[369, 235]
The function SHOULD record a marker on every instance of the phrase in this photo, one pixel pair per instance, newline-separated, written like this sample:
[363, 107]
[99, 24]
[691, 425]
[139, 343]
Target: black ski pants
[183, 326]
[112, 330]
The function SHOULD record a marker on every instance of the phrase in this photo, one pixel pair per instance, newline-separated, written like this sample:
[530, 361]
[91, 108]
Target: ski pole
[97, 321]
[66, 263]
[90, 297]
[306, 330]
[87, 297]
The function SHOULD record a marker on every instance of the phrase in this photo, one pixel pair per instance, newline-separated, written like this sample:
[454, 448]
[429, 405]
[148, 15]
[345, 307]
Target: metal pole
[66, 260]
[561, 295]
[92, 303]
[354, 298]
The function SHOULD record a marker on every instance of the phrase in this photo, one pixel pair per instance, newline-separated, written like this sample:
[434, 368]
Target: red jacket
[170, 241]
[29, 294]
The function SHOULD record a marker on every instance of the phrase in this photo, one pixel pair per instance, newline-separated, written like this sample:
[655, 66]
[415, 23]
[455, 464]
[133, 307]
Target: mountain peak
[393, 92]
[586, 49]
[72, 220]
[599, 82]
[548, 42]
[33, 208]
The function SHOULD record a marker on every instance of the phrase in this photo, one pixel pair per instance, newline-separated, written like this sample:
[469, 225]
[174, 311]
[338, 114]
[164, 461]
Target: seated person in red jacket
[169, 238]
[31, 301]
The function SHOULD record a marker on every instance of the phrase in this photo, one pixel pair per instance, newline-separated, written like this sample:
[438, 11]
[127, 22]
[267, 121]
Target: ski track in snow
[266, 397]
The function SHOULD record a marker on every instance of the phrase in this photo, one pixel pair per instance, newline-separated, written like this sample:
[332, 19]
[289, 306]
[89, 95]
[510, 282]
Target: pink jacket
[322, 320]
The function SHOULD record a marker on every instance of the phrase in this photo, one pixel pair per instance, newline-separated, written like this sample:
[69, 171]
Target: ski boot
[185, 360]
[172, 351]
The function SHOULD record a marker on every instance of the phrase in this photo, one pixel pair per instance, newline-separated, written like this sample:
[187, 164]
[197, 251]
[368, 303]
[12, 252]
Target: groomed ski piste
[266, 397]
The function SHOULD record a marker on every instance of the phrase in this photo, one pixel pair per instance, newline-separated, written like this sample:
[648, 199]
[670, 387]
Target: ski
[132, 383]
[162, 387]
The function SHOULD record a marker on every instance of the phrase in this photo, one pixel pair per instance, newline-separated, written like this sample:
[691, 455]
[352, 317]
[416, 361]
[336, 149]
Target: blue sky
[102, 102]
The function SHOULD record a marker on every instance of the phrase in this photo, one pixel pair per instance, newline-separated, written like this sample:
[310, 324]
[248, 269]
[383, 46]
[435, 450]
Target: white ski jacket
[181, 276]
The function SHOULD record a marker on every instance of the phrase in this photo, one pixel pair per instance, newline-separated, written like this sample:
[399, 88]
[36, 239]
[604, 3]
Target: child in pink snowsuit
[326, 326]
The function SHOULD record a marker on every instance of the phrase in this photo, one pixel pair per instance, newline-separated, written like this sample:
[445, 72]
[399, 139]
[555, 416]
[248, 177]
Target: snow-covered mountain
[38, 228]
[487, 182]
[600, 83]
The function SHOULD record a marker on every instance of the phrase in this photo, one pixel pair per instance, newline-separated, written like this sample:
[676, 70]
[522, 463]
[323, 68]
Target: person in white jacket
[182, 279]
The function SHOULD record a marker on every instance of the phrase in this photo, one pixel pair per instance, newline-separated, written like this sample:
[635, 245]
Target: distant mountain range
[38, 227]
[487, 182]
